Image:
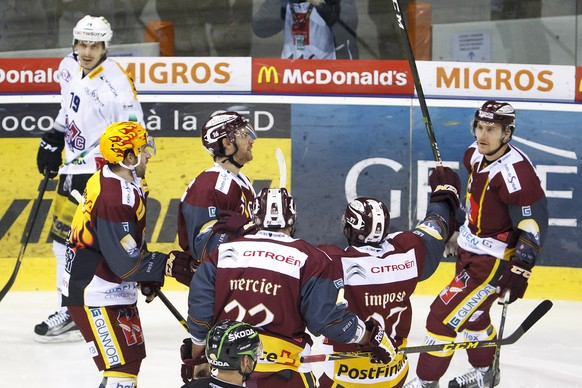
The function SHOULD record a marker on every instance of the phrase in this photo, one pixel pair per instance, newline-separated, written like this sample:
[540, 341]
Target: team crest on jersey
[73, 137]
[458, 284]
[65, 75]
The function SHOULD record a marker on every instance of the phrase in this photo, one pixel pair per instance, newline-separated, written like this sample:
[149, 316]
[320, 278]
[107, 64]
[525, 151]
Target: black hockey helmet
[496, 112]
[220, 125]
[366, 221]
[274, 209]
[228, 341]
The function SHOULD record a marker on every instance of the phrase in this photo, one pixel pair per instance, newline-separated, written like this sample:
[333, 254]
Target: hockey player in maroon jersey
[216, 205]
[107, 256]
[499, 244]
[95, 93]
[281, 286]
[381, 271]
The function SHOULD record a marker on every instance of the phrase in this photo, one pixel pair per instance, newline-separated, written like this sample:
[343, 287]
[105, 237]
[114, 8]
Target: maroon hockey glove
[181, 266]
[234, 224]
[514, 279]
[189, 364]
[150, 289]
[381, 346]
[445, 185]
[49, 156]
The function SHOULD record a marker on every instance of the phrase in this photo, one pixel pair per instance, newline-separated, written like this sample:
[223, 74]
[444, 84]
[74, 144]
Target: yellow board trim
[554, 283]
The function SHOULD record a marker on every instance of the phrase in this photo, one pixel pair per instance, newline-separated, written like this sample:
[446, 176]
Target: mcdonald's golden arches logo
[268, 72]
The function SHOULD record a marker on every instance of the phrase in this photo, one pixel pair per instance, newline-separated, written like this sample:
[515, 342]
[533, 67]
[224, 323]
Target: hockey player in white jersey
[95, 92]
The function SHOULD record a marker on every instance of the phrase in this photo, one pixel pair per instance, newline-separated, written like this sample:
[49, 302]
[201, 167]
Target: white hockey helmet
[366, 221]
[93, 29]
[274, 209]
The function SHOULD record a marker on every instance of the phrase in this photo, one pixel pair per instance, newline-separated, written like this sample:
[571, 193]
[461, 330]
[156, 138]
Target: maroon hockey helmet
[366, 221]
[274, 209]
[496, 112]
[220, 125]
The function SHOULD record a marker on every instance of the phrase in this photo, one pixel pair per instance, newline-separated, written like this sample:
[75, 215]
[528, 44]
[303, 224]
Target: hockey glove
[181, 266]
[192, 368]
[234, 224]
[49, 157]
[150, 290]
[514, 279]
[381, 346]
[445, 185]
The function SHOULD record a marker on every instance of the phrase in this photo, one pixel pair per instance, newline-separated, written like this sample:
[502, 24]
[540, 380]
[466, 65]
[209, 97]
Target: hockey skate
[475, 378]
[419, 383]
[58, 327]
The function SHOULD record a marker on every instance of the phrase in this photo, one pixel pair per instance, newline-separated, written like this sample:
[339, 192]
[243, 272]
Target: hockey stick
[172, 309]
[282, 167]
[27, 232]
[415, 77]
[500, 335]
[531, 319]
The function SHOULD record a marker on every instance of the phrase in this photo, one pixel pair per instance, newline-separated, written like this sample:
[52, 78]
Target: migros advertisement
[152, 74]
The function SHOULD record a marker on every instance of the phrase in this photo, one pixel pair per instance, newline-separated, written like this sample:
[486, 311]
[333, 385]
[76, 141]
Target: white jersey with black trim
[89, 104]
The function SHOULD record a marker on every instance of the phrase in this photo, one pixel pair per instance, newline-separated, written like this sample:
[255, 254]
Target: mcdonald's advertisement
[334, 152]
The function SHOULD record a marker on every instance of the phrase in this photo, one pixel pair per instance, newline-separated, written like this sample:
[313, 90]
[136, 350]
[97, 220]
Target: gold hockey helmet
[121, 137]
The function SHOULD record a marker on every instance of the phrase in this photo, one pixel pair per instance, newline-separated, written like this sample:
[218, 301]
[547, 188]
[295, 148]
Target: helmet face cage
[496, 112]
[93, 29]
[121, 137]
[366, 221]
[228, 341]
[221, 125]
[274, 209]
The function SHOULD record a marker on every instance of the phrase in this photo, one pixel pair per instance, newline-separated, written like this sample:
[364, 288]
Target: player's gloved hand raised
[49, 157]
[234, 224]
[514, 279]
[381, 345]
[181, 266]
[445, 185]
[150, 289]
[192, 368]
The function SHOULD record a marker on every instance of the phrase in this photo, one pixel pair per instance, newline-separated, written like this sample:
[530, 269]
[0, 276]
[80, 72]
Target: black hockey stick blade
[531, 319]
[29, 227]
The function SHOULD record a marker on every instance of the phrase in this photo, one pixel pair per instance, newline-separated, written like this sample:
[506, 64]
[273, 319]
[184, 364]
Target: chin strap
[496, 150]
[503, 142]
[132, 167]
[231, 160]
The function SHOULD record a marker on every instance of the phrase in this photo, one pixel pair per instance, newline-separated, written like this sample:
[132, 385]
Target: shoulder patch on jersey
[511, 179]
[223, 182]
[127, 193]
[338, 283]
[212, 211]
